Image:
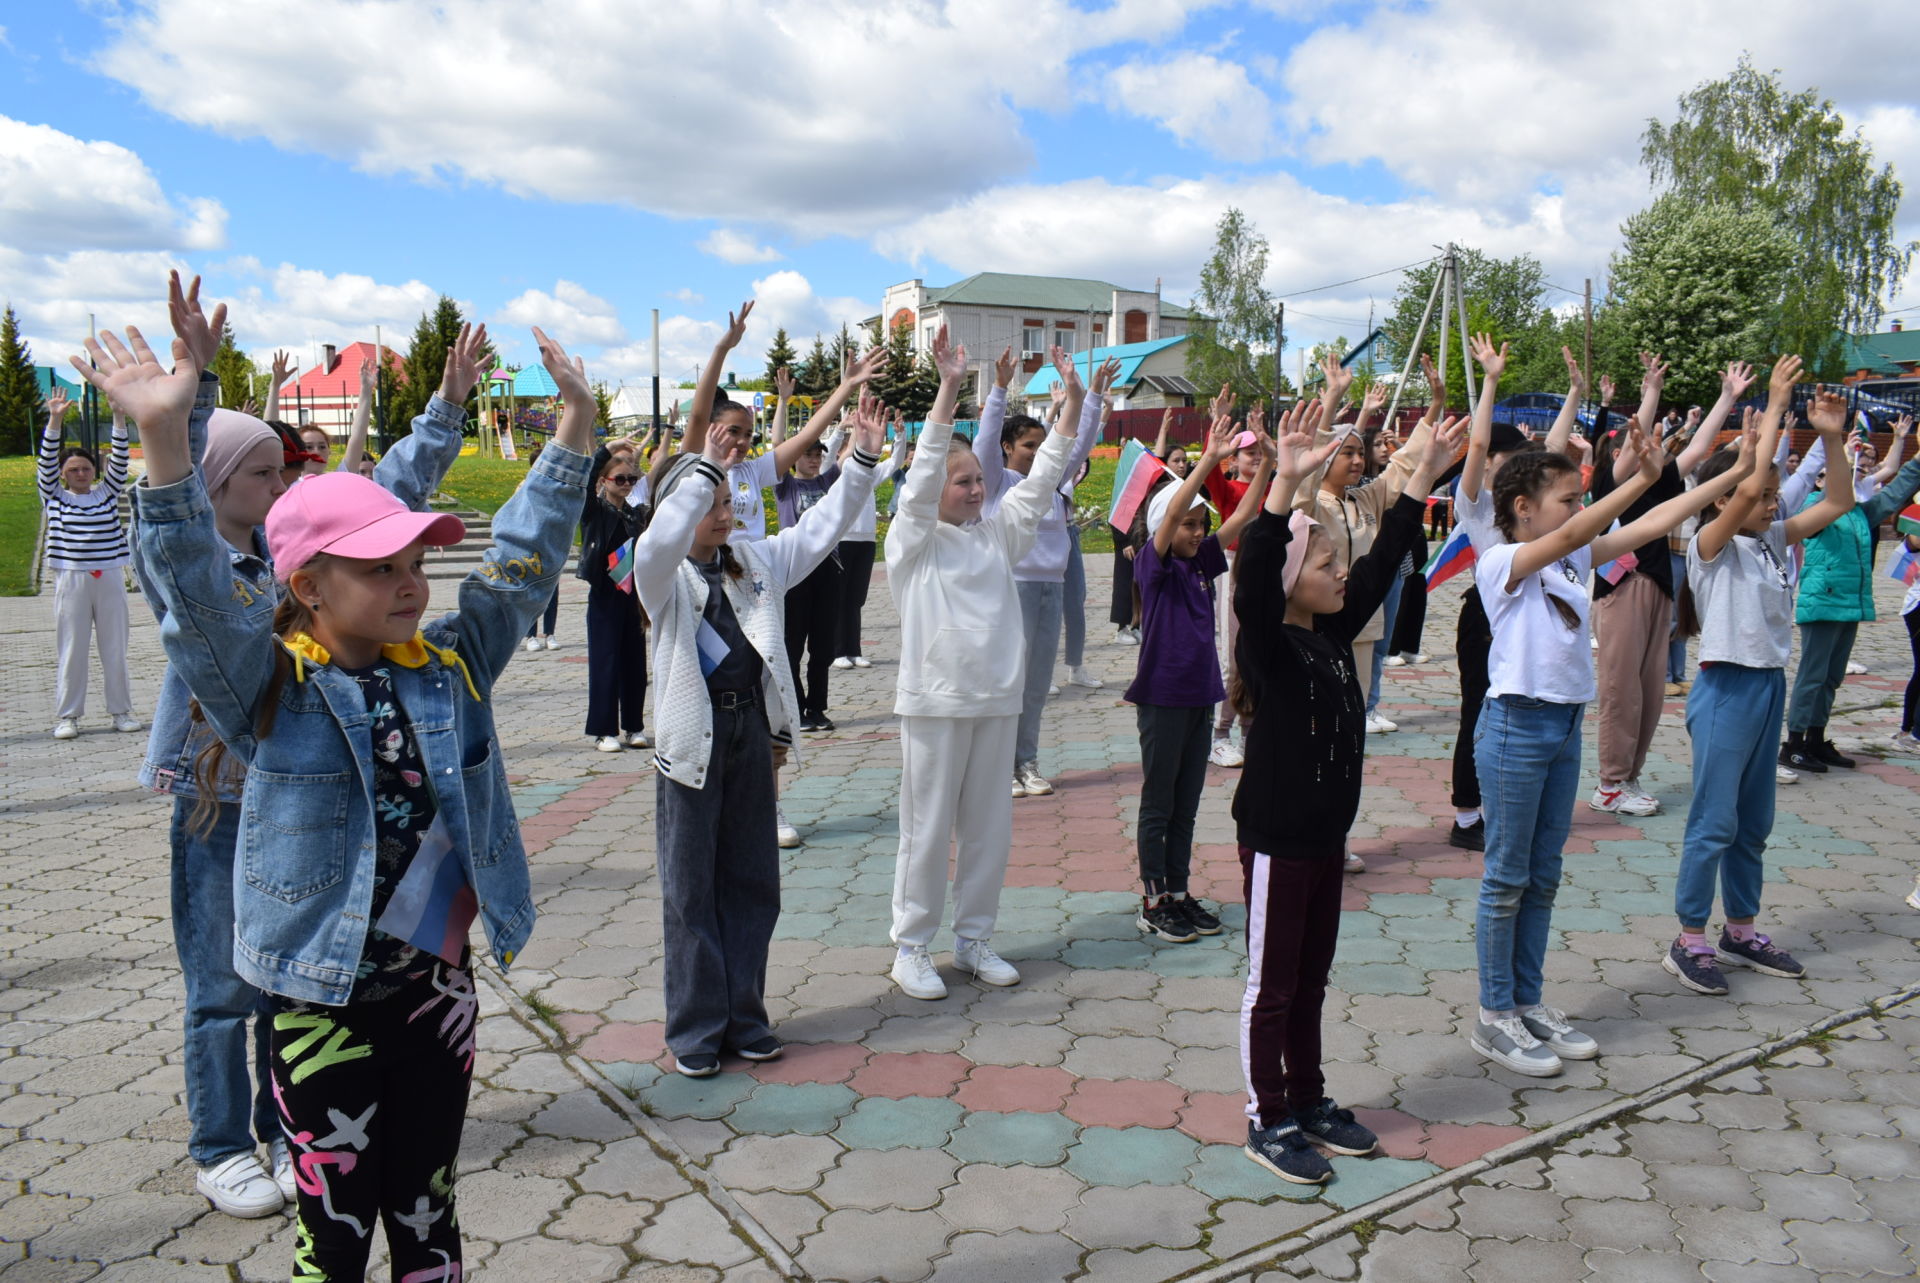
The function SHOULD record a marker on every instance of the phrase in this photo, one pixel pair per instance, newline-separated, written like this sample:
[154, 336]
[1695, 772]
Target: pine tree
[21, 405]
[840, 354]
[895, 382]
[426, 361]
[234, 368]
[780, 354]
[815, 375]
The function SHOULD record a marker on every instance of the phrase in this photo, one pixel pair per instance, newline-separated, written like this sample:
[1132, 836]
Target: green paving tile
[1132, 1156]
[814, 899]
[1039, 1140]
[1360, 924]
[677, 1096]
[1457, 888]
[1587, 920]
[812, 1109]
[1379, 977]
[1633, 903]
[1447, 955]
[1405, 906]
[914, 1123]
[1370, 949]
[1225, 1171]
[1420, 929]
[1108, 955]
[1357, 1181]
[1202, 960]
[629, 1076]
[804, 926]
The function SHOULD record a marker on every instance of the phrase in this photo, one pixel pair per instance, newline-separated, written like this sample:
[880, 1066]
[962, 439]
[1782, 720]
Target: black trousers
[372, 1098]
[813, 626]
[616, 663]
[1126, 605]
[1472, 641]
[1412, 619]
[552, 617]
[1173, 774]
[856, 576]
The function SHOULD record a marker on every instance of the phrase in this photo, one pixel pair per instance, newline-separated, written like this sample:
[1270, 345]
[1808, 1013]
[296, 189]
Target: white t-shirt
[746, 481]
[1744, 600]
[1534, 652]
[1475, 516]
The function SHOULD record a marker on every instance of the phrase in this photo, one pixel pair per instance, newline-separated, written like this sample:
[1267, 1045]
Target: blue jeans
[1389, 609]
[1527, 754]
[1733, 718]
[1040, 610]
[1677, 648]
[226, 1112]
[1073, 602]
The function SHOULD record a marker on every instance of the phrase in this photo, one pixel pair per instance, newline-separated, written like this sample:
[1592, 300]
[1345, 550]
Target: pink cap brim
[1245, 441]
[397, 530]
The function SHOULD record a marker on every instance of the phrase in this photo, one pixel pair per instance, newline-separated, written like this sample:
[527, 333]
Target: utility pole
[1586, 355]
[379, 405]
[656, 373]
[1279, 344]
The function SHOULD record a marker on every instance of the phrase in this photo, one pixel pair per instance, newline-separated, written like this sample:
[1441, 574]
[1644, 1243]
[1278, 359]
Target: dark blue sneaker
[1758, 952]
[1697, 971]
[1283, 1150]
[767, 1048]
[1331, 1127]
[700, 1064]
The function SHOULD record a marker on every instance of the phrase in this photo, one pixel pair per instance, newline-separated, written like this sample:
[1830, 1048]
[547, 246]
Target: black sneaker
[1199, 917]
[767, 1048]
[1162, 917]
[1284, 1151]
[1824, 751]
[1697, 971]
[821, 722]
[808, 722]
[1757, 951]
[1469, 837]
[1796, 755]
[698, 1065]
[1331, 1127]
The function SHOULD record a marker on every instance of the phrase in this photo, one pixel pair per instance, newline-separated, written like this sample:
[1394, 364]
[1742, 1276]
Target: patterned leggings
[372, 1097]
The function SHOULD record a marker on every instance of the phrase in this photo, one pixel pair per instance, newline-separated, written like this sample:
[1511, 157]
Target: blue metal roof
[535, 381]
[1130, 355]
[48, 376]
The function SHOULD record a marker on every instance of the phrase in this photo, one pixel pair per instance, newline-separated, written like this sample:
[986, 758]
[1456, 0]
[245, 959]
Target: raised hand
[783, 383]
[134, 382]
[1492, 360]
[251, 407]
[1005, 368]
[282, 367]
[1786, 373]
[866, 368]
[949, 359]
[1057, 394]
[736, 326]
[1339, 378]
[1104, 376]
[466, 363]
[673, 413]
[1443, 444]
[1902, 426]
[1221, 407]
[1643, 452]
[1374, 401]
[1296, 457]
[57, 404]
[1606, 389]
[369, 377]
[569, 373]
[197, 332]
[1064, 367]
[1576, 379]
[868, 424]
[1735, 382]
[1828, 412]
[1653, 372]
[1693, 419]
[1436, 385]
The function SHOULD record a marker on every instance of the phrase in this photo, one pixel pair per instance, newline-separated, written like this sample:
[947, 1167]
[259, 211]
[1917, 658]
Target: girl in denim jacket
[375, 823]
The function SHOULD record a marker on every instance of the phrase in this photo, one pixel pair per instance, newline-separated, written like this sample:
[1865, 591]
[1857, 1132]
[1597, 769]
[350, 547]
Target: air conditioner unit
[1030, 355]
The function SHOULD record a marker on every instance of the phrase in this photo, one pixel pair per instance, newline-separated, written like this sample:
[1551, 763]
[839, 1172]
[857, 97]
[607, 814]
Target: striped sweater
[84, 530]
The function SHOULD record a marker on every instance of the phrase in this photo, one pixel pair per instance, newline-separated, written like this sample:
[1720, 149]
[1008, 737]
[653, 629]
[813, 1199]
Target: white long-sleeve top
[1046, 560]
[960, 651]
[674, 593]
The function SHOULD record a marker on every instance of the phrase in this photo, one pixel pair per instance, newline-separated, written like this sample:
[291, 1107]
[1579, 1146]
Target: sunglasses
[624, 479]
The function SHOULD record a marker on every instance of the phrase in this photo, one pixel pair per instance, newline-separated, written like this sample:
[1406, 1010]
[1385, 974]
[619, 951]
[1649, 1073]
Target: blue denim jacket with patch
[411, 471]
[303, 877]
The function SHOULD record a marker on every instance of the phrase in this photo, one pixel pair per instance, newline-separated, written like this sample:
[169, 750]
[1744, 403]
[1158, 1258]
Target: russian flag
[1906, 566]
[1133, 477]
[433, 907]
[1616, 570]
[1908, 523]
[1454, 556]
[620, 567]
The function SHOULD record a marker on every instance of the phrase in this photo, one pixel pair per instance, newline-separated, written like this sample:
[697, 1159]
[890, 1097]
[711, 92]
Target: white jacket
[961, 647]
[1045, 560]
[674, 592]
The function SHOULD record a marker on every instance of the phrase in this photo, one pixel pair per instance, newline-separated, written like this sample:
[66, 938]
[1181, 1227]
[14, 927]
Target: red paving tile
[1400, 1134]
[1216, 1118]
[621, 1041]
[812, 1062]
[577, 1024]
[1008, 1089]
[1104, 1102]
[918, 1073]
[1450, 1144]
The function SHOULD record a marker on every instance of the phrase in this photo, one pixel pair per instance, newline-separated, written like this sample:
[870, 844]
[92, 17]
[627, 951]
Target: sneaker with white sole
[609, 744]
[1126, 636]
[1081, 677]
[1621, 799]
[916, 975]
[1378, 725]
[1509, 1043]
[1906, 743]
[697, 1064]
[1052, 690]
[1225, 753]
[986, 965]
[843, 662]
[1633, 786]
[1395, 661]
[1032, 781]
[1697, 969]
[66, 728]
[635, 739]
[552, 643]
[1353, 863]
[1161, 917]
[1855, 669]
[1757, 951]
[1781, 775]
[1549, 1025]
[861, 661]
[127, 723]
[784, 833]
[1284, 1151]
[1019, 789]
[280, 1159]
[240, 1187]
[532, 643]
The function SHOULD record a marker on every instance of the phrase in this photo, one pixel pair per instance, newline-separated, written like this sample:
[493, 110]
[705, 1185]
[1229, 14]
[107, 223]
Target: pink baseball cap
[1244, 441]
[349, 515]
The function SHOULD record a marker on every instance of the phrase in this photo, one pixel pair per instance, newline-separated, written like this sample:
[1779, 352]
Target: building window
[1067, 335]
[927, 339]
[1033, 338]
[1136, 326]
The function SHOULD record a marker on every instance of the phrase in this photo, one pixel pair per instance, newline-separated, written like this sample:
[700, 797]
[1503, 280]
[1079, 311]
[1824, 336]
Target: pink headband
[1300, 526]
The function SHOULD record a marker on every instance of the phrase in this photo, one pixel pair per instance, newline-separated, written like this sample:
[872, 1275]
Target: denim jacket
[411, 471]
[303, 877]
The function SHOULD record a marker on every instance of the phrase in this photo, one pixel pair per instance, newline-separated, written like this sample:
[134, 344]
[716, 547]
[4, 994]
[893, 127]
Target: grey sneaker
[1508, 1042]
[1697, 971]
[1031, 780]
[1549, 1025]
[1283, 1150]
[1758, 952]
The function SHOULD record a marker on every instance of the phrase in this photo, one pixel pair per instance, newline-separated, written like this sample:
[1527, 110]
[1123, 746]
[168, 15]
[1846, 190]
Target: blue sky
[331, 166]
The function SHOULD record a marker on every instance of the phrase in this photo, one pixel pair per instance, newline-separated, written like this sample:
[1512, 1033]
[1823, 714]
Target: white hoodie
[961, 653]
[1045, 560]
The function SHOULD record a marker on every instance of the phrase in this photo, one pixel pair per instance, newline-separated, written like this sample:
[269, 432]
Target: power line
[1356, 280]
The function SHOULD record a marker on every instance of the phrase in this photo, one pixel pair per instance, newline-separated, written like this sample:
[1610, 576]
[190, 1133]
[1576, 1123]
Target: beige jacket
[1353, 519]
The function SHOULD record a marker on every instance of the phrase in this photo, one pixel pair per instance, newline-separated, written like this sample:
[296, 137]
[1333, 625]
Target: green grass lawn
[19, 525]
[484, 483]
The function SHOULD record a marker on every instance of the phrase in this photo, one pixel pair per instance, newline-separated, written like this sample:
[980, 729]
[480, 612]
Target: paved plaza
[1084, 1125]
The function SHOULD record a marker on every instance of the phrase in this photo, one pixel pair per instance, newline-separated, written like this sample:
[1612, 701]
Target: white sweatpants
[86, 605]
[954, 800]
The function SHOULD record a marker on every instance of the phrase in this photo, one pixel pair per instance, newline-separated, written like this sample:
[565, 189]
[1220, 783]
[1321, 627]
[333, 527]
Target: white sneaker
[1019, 788]
[861, 661]
[129, 723]
[1855, 669]
[280, 1159]
[843, 662]
[1395, 661]
[1906, 743]
[1081, 677]
[784, 833]
[635, 739]
[1633, 787]
[552, 643]
[1378, 725]
[986, 965]
[1550, 1026]
[240, 1187]
[1623, 800]
[66, 728]
[1782, 775]
[1913, 896]
[1418, 657]
[533, 643]
[609, 744]
[1125, 636]
[1223, 753]
[1032, 781]
[1353, 863]
[916, 975]
[1052, 690]
[1508, 1041]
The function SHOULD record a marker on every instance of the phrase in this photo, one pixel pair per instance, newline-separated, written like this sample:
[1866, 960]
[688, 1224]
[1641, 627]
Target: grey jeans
[1040, 610]
[719, 888]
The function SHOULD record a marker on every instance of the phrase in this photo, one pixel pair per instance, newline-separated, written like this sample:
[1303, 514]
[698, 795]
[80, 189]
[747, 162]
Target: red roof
[343, 377]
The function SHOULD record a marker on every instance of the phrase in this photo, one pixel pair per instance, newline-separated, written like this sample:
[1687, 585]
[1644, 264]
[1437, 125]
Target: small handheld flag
[1617, 569]
[1906, 566]
[1908, 522]
[620, 567]
[1133, 477]
[1452, 557]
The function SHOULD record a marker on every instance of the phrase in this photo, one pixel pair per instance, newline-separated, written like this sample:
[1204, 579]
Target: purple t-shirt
[793, 494]
[1179, 664]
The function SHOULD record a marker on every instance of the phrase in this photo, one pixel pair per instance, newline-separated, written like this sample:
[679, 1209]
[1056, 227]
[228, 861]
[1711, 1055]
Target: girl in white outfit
[962, 671]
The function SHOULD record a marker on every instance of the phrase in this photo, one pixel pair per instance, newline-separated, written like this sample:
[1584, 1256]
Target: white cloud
[784, 118]
[685, 343]
[730, 246]
[301, 307]
[571, 314]
[58, 192]
[1199, 99]
[686, 295]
